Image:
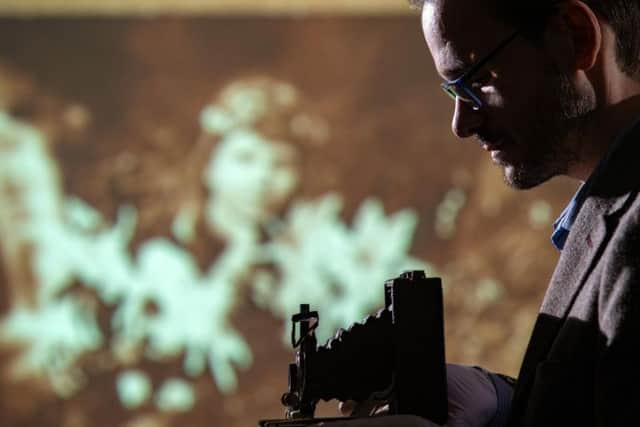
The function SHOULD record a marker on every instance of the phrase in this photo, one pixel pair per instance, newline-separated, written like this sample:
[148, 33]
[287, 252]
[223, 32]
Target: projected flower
[339, 270]
[176, 310]
[56, 336]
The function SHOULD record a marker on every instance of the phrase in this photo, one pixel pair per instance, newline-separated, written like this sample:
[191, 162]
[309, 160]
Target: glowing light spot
[540, 214]
[134, 388]
[184, 226]
[175, 395]
[216, 121]
[246, 103]
[488, 291]
[286, 94]
[447, 213]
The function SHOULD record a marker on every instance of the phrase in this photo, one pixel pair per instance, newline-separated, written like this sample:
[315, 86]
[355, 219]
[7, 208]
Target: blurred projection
[134, 388]
[65, 260]
[175, 395]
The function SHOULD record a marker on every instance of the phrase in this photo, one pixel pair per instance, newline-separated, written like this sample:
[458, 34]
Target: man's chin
[521, 179]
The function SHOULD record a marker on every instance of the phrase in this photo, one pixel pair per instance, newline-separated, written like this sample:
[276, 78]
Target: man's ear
[574, 35]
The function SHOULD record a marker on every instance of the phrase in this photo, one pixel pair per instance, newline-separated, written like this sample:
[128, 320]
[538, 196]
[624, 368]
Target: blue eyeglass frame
[459, 88]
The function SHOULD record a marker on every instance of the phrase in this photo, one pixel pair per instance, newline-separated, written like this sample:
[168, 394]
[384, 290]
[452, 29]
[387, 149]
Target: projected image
[158, 232]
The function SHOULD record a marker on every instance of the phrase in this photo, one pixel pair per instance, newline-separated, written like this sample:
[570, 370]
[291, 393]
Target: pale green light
[191, 316]
[73, 241]
[175, 395]
[134, 388]
[248, 177]
[242, 104]
[56, 336]
[216, 121]
[55, 331]
[448, 211]
[340, 271]
[540, 214]
[246, 103]
[488, 291]
[82, 216]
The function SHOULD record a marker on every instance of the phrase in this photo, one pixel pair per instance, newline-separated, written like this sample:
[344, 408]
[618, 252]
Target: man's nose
[466, 121]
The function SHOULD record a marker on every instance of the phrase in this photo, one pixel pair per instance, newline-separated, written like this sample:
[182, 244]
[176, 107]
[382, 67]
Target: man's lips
[492, 146]
[497, 150]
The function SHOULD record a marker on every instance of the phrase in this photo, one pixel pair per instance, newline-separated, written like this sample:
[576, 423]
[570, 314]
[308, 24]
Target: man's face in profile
[529, 106]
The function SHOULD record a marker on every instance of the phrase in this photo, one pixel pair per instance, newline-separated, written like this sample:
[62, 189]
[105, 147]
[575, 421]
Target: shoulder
[619, 288]
[625, 239]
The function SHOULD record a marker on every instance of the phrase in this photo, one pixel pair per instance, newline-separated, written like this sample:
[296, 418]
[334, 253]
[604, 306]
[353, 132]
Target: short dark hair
[622, 15]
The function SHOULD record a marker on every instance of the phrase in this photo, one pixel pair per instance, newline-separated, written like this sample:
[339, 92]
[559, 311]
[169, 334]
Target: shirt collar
[562, 225]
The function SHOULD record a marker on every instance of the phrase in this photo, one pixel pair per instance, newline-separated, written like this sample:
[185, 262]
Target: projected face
[250, 176]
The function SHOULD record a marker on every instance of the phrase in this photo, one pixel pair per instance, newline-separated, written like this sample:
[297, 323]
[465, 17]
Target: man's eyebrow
[453, 65]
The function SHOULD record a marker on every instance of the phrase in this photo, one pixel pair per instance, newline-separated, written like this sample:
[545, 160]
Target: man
[552, 88]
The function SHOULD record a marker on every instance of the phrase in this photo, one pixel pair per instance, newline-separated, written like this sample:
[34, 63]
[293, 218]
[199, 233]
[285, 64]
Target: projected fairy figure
[278, 249]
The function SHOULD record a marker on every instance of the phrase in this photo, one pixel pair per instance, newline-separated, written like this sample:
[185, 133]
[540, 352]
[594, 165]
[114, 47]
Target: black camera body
[396, 356]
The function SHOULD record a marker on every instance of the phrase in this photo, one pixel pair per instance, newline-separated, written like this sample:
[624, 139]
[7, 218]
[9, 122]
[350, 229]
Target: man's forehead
[456, 14]
[458, 31]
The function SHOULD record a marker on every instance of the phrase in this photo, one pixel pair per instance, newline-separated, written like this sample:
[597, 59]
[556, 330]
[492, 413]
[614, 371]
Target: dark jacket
[582, 365]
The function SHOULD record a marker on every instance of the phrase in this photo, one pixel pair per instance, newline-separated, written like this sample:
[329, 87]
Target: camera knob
[290, 400]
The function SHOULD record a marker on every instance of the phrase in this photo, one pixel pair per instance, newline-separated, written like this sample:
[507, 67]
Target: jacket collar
[611, 188]
[608, 191]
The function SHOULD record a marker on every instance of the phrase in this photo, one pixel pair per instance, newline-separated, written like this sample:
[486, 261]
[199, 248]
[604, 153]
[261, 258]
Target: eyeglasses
[459, 88]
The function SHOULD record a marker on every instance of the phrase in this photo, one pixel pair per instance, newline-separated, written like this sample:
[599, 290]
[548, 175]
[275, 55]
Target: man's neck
[598, 131]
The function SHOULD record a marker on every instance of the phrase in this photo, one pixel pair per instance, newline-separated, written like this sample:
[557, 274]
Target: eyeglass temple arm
[488, 58]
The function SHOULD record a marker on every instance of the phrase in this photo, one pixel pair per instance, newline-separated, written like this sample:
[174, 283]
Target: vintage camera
[395, 356]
